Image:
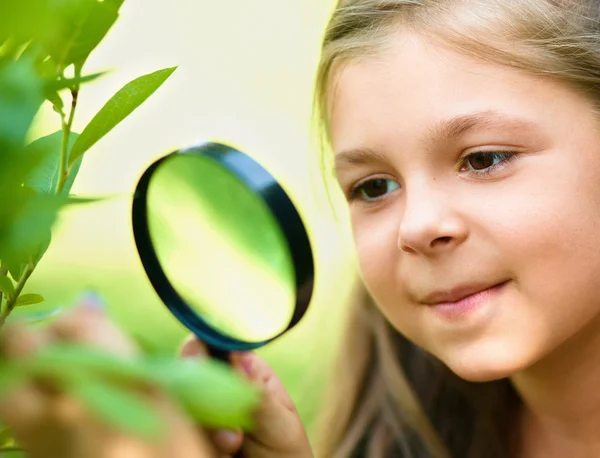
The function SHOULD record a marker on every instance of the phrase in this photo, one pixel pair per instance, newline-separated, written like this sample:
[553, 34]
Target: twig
[66, 130]
[12, 300]
[3, 272]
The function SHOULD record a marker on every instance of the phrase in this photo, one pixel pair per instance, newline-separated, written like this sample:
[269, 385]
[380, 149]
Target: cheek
[549, 240]
[375, 237]
[557, 259]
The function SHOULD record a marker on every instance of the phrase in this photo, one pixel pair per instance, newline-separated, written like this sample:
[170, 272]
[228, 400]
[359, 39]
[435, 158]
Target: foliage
[44, 45]
[95, 377]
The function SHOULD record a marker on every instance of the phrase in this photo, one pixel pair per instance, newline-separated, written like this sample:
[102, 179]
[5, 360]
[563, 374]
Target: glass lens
[221, 248]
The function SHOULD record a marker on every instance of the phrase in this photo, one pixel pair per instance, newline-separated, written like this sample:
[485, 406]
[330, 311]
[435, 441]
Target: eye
[485, 162]
[375, 189]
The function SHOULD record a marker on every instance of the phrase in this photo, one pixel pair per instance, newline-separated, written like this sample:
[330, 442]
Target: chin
[485, 364]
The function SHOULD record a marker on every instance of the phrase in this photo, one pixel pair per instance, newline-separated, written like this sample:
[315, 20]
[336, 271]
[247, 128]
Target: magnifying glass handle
[223, 355]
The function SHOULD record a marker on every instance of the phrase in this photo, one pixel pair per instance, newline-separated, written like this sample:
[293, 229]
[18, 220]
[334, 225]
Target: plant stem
[12, 300]
[66, 130]
[3, 273]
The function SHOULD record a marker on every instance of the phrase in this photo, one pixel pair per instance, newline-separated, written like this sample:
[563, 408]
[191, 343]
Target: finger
[258, 370]
[88, 324]
[18, 341]
[22, 408]
[226, 441]
[26, 409]
[193, 348]
[278, 428]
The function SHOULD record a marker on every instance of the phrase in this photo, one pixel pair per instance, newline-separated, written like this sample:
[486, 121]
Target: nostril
[441, 241]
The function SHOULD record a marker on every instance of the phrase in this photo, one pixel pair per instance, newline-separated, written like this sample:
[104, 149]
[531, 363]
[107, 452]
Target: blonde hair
[390, 398]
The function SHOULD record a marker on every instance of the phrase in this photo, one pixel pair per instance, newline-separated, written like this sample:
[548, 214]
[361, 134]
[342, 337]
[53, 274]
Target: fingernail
[90, 300]
[227, 438]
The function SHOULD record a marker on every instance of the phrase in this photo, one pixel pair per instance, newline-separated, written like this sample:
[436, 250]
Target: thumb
[278, 427]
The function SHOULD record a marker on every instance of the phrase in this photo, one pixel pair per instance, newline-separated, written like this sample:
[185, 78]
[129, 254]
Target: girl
[466, 138]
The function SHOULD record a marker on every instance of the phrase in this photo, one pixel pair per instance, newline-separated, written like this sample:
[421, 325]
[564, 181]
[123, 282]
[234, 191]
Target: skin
[411, 115]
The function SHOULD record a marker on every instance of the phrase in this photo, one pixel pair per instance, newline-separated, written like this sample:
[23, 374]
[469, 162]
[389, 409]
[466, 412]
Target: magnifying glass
[223, 246]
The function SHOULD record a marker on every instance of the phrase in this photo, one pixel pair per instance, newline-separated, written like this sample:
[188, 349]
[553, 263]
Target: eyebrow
[358, 156]
[445, 130]
[455, 127]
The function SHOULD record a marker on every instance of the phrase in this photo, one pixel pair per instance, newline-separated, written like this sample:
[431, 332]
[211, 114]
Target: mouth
[458, 302]
[458, 294]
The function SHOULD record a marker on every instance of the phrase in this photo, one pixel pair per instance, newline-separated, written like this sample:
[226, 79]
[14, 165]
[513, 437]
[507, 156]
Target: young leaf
[26, 219]
[44, 178]
[225, 399]
[121, 105]
[6, 286]
[58, 359]
[33, 318]
[57, 102]
[15, 268]
[80, 25]
[21, 96]
[29, 299]
[119, 408]
[26, 19]
[64, 83]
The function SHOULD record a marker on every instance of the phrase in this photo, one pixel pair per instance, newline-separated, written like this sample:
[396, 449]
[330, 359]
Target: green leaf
[29, 299]
[68, 83]
[25, 19]
[121, 105]
[44, 178]
[21, 96]
[15, 268]
[118, 407]
[55, 99]
[26, 219]
[6, 286]
[27, 317]
[226, 400]
[58, 359]
[80, 25]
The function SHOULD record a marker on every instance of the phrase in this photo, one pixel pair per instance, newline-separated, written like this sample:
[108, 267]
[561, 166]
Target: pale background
[245, 76]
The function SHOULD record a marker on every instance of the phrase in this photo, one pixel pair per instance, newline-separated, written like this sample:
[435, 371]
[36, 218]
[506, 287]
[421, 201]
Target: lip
[457, 294]
[458, 302]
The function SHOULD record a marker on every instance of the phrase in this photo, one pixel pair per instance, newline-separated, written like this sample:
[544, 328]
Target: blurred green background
[245, 76]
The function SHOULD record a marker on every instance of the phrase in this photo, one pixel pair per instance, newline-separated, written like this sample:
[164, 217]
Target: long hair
[389, 398]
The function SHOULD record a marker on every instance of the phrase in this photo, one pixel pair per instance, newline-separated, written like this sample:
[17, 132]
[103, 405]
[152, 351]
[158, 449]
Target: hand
[279, 431]
[52, 424]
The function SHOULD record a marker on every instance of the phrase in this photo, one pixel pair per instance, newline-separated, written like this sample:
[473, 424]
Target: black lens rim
[264, 185]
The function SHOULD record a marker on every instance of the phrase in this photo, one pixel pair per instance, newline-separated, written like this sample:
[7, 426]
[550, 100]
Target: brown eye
[374, 189]
[480, 161]
[486, 162]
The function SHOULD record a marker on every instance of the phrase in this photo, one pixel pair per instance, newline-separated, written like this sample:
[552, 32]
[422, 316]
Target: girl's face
[474, 194]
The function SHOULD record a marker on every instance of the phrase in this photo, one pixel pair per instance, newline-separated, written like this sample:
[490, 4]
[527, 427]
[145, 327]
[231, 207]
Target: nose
[430, 223]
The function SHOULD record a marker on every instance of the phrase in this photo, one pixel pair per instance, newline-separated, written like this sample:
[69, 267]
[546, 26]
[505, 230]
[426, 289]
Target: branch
[3, 272]
[66, 129]
[12, 300]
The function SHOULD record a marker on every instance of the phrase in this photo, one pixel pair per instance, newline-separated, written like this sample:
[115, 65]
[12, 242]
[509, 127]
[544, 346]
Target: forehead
[403, 91]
